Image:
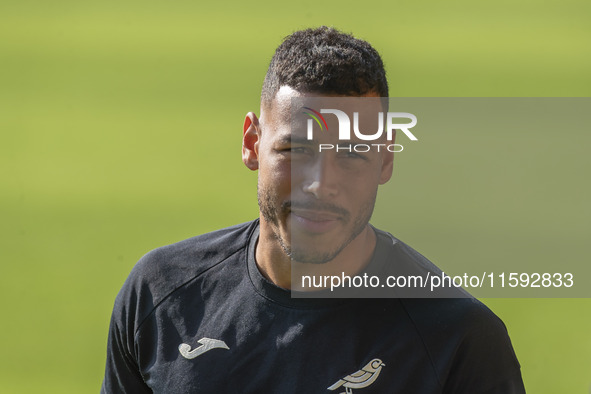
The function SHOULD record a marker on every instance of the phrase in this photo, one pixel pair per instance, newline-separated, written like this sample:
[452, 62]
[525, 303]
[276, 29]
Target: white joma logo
[206, 345]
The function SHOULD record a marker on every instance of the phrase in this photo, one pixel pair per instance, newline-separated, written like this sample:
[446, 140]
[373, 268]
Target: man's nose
[321, 178]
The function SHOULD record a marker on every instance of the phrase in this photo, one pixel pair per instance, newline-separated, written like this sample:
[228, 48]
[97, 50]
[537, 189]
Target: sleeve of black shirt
[122, 373]
[484, 360]
[468, 345]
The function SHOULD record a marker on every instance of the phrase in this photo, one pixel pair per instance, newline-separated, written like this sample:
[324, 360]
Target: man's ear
[250, 141]
[387, 164]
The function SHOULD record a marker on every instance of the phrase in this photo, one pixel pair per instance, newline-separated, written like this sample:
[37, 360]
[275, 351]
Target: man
[214, 313]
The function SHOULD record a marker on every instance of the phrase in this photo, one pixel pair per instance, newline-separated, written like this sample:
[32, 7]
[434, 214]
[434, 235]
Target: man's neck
[278, 268]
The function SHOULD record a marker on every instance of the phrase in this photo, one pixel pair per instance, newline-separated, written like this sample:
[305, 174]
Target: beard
[275, 213]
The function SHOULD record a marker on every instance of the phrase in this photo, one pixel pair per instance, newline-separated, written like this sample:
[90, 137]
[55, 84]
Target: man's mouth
[314, 221]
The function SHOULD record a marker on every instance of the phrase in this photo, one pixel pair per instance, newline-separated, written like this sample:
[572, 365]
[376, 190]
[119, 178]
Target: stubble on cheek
[271, 210]
[266, 202]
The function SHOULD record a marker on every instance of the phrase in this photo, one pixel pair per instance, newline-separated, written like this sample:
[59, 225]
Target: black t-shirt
[198, 317]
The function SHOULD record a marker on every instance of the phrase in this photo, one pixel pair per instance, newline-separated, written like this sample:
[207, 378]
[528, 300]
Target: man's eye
[297, 149]
[352, 155]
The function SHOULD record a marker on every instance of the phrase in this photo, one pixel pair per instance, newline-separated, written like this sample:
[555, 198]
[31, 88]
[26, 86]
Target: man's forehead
[280, 106]
[289, 102]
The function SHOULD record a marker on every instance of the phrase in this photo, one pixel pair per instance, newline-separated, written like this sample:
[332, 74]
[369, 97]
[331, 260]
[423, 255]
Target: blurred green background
[120, 128]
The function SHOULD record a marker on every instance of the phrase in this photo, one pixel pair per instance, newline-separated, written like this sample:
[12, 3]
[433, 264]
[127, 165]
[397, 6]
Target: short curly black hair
[325, 60]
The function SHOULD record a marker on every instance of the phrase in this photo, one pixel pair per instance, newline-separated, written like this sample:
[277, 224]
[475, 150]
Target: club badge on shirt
[360, 379]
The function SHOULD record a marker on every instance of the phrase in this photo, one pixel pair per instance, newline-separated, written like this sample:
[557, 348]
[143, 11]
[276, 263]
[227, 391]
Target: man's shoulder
[404, 256]
[468, 344]
[163, 270]
[461, 316]
[409, 274]
[458, 308]
[197, 253]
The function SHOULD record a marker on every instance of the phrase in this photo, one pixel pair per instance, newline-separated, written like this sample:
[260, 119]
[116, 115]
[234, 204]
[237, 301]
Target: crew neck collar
[303, 300]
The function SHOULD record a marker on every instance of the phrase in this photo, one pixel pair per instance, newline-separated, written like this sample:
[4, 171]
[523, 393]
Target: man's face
[316, 203]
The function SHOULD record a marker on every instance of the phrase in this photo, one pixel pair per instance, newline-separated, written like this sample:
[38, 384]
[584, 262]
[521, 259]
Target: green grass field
[120, 127]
